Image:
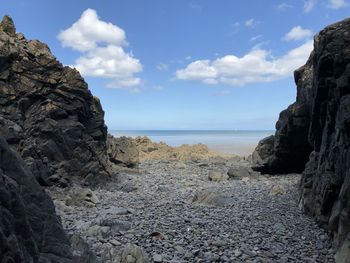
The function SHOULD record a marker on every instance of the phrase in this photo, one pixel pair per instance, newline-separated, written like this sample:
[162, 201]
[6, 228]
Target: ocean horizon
[239, 142]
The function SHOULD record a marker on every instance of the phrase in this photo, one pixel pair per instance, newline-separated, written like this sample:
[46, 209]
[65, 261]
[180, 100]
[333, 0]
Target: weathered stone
[212, 198]
[132, 254]
[123, 151]
[29, 228]
[216, 176]
[8, 26]
[239, 172]
[83, 197]
[53, 120]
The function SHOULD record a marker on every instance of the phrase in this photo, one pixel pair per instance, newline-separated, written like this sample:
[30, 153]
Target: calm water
[234, 142]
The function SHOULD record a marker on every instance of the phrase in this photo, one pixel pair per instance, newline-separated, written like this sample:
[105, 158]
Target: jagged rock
[81, 251]
[29, 228]
[8, 26]
[122, 151]
[83, 197]
[54, 122]
[263, 151]
[313, 134]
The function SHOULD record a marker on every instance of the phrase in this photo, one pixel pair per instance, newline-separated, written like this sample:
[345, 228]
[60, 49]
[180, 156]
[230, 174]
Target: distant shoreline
[237, 142]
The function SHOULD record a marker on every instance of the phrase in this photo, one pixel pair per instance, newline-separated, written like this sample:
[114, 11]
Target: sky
[184, 64]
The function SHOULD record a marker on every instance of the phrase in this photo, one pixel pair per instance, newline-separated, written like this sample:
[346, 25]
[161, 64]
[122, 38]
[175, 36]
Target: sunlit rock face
[51, 117]
[313, 135]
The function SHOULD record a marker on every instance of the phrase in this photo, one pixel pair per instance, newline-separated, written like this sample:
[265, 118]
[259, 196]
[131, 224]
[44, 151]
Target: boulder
[122, 151]
[239, 172]
[30, 230]
[211, 197]
[216, 176]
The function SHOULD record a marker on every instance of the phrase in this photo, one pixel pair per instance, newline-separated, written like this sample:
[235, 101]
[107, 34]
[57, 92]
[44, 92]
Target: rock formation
[48, 113]
[313, 135]
[122, 151]
[29, 228]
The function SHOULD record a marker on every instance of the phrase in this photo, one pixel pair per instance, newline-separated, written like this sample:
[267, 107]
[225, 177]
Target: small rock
[215, 176]
[239, 172]
[277, 190]
[157, 258]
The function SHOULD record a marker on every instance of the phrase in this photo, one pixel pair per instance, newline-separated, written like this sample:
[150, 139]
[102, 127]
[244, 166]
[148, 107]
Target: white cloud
[297, 33]
[256, 66]
[309, 5]
[336, 4]
[102, 53]
[162, 66]
[251, 23]
[283, 7]
[255, 38]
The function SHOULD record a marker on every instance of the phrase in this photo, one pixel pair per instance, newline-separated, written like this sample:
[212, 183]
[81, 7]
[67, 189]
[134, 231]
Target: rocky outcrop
[29, 228]
[289, 149]
[313, 135]
[123, 151]
[48, 113]
[149, 150]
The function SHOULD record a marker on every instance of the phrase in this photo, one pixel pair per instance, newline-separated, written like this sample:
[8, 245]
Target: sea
[237, 142]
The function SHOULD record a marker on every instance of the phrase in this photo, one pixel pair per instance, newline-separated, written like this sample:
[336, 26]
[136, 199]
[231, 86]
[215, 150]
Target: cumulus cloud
[309, 5]
[336, 4]
[251, 23]
[297, 33]
[101, 45]
[256, 66]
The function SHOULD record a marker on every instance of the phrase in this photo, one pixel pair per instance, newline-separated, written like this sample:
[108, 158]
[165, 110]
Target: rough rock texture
[289, 149]
[122, 151]
[149, 150]
[319, 123]
[29, 228]
[55, 123]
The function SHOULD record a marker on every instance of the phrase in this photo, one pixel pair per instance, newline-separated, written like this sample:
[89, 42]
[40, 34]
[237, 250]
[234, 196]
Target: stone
[239, 172]
[215, 176]
[30, 230]
[132, 254]
[7, 26]
[157, 258]
[122, 151]
[81, 251]
[277, 190]
[211, 197]
[83, 197]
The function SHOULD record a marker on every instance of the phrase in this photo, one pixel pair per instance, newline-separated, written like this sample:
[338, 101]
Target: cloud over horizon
[254, 67]
[101, 45]
[297, 33]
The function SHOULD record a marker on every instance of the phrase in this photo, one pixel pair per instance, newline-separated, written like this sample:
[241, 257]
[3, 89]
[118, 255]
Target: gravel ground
[254, 219]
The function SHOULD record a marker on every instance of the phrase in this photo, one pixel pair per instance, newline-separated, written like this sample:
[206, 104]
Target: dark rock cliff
[48, 113]
[313, 135]
[29, 228]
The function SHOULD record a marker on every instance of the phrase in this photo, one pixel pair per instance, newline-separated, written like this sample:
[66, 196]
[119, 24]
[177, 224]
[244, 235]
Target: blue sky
[182, 64]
